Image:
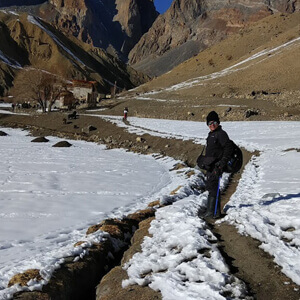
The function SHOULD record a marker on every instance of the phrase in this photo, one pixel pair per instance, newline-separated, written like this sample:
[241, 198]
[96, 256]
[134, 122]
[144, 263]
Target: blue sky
[162, 5]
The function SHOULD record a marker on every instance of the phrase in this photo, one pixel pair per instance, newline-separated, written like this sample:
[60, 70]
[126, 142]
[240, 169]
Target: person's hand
[220, 165]
[216, 173]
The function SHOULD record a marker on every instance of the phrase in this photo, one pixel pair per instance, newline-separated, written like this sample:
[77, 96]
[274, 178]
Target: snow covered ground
[266, 204]
[5, 105]
[49, 196]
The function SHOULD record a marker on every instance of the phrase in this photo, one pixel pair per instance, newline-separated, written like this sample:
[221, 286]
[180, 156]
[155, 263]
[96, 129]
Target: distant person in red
[125, 113]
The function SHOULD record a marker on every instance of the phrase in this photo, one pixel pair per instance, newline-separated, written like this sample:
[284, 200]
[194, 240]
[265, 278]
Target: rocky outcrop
[190, 26]
[110, 286]
[5, 3]
[113, 25]
[29, 41]
[135, 17]
[288, 6]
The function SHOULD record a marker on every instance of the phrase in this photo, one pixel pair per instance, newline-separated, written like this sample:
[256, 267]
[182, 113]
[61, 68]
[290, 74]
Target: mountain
[252, 73]
[114, 25]
[29, 41]
[190, 26]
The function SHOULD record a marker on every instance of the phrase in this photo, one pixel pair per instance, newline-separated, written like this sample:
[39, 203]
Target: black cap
[212, 116]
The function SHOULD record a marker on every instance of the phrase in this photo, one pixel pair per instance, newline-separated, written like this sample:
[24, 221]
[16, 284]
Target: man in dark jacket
[219, 149]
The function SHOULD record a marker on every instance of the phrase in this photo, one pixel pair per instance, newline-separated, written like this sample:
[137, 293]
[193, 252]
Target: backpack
[236, 161]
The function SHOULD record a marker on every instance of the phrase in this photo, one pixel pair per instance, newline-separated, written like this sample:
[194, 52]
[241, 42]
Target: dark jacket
[219, 146]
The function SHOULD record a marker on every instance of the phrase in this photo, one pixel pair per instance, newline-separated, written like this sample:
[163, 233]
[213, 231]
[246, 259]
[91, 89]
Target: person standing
[219, 149]
[125, 113]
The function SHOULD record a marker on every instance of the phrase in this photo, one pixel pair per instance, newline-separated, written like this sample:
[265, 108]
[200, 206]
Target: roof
[83, 83]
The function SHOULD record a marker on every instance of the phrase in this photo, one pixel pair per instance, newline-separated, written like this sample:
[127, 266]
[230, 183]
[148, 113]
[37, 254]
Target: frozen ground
[266, 204]
[180, 259]
[49, 197]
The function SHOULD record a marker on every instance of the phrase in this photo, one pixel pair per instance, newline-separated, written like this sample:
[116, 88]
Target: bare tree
[38, 86]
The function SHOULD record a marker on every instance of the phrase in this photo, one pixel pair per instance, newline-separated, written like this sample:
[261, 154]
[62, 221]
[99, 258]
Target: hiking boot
[210, 207]
[218, 210]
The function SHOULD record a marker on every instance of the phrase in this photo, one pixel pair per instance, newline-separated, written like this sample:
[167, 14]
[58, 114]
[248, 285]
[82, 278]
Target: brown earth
[190, 109]
[242, 253]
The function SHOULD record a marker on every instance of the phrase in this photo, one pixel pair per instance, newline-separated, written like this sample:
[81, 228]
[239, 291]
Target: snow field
[50, 196]
[266, 203]
[181, 258]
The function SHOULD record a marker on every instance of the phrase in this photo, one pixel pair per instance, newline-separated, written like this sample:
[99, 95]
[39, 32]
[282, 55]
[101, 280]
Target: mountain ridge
[182, 38]
[114, 26]
[200, 24]
[33, 42]
[251, 75]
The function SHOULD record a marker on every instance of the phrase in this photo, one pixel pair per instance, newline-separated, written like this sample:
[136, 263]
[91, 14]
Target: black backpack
[236, 161]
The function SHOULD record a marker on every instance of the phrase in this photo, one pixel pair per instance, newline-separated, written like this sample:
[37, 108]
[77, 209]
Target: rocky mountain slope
[28, 41]
[251, 75]
[190, 26]
[224, 32]
[115, 26]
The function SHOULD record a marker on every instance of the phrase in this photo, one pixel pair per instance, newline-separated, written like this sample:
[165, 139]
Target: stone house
[66, 100]
[85, 92]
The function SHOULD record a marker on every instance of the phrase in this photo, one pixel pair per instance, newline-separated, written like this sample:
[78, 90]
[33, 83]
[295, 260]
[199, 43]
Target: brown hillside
[268, 33]
[190, 26]
[29, 41]
[113, 25]
[268, 85]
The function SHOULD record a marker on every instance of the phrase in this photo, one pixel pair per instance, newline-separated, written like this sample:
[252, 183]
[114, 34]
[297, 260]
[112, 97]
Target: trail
[242, 253]
[247, 260]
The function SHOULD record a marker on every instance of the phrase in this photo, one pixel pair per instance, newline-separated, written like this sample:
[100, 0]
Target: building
[85, 92]
[66, 100]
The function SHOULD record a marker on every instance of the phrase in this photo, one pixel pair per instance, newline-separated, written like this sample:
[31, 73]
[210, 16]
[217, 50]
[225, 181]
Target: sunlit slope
[264, 59]
[28, 41]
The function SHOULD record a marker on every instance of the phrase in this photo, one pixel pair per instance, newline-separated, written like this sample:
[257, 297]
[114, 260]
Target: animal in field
[73, 115]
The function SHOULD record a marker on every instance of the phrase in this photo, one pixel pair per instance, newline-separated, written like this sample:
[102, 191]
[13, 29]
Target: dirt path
[250, 263]
[246, 260]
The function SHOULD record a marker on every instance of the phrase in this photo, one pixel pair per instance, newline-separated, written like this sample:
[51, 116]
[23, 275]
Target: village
[76, 94]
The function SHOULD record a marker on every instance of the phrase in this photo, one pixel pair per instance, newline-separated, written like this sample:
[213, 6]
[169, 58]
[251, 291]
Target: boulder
[91, 128]
[40, 139]
[2, 133]
[62, 144]
[251, 112]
